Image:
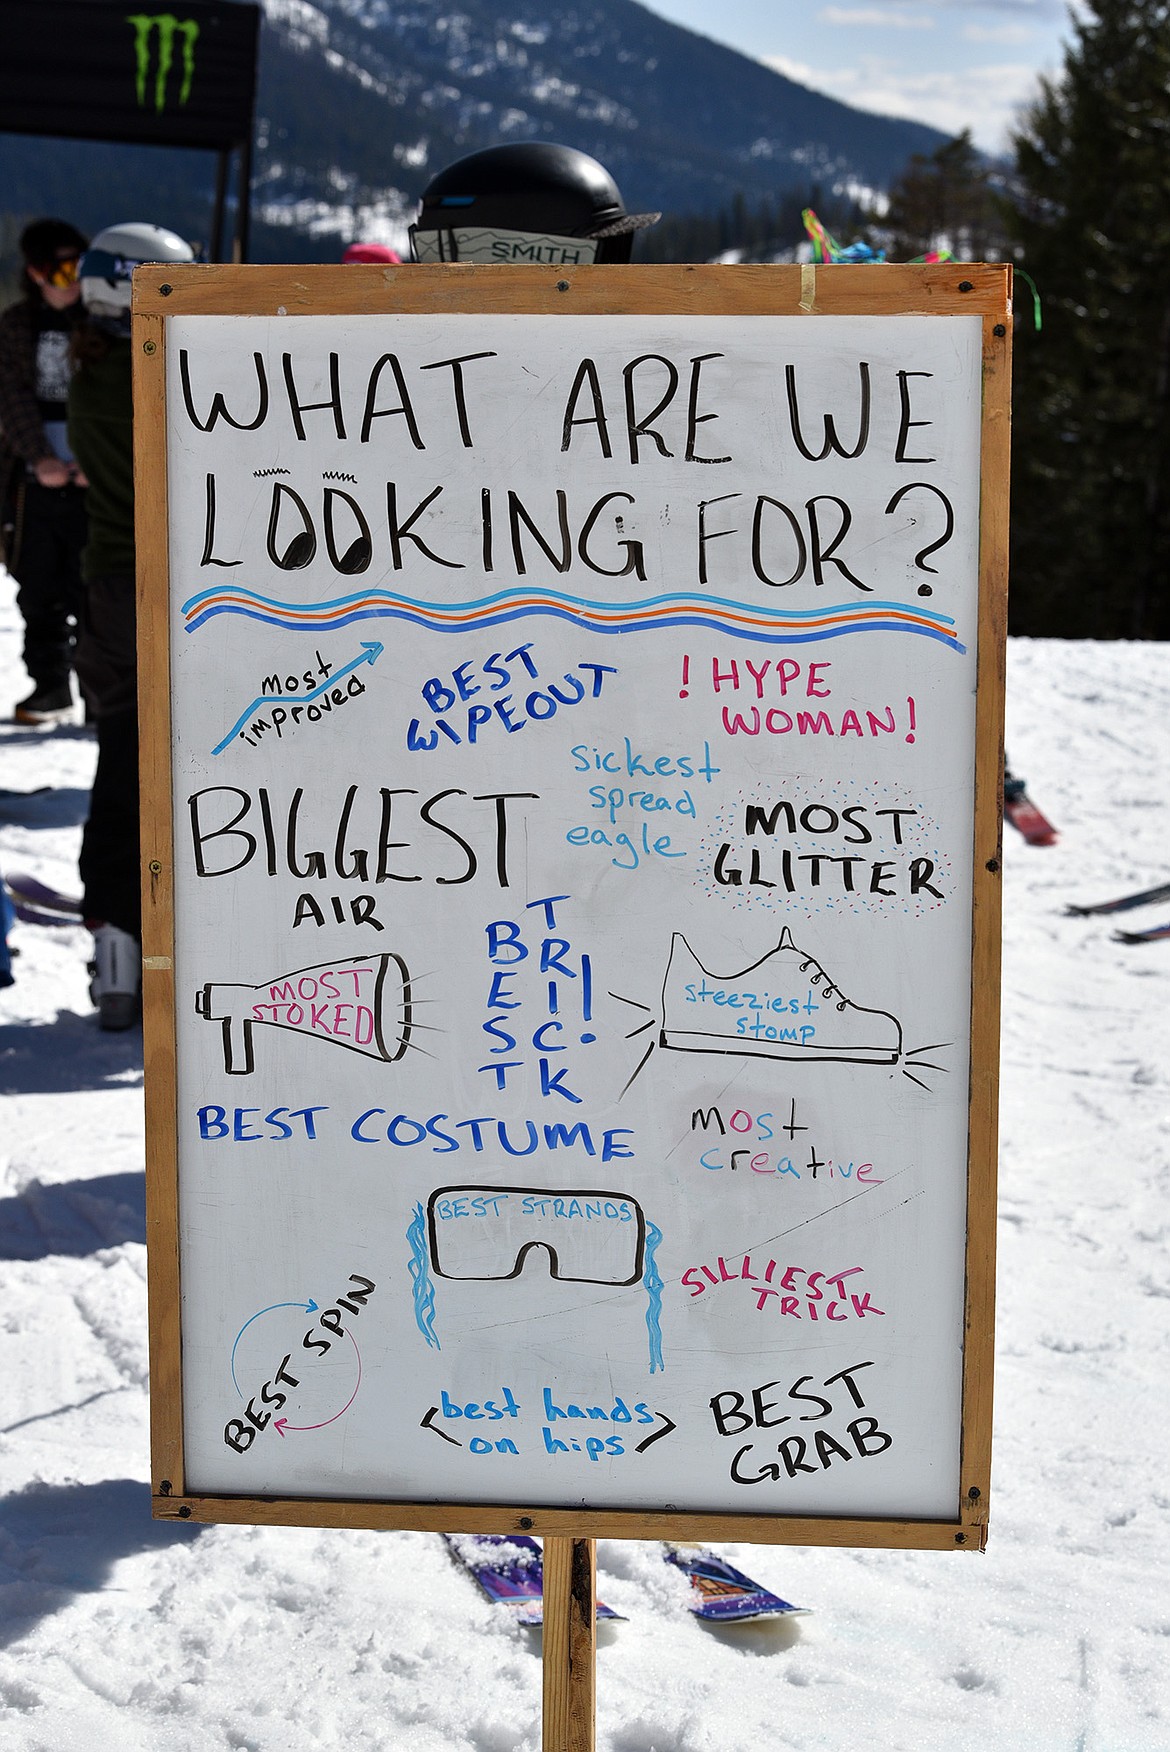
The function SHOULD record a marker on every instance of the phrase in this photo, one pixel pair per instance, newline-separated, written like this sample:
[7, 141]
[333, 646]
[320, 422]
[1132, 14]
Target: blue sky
[952, 63]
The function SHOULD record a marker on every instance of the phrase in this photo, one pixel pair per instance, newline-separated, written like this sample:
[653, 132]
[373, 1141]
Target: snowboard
[722, 1594]
[35, 903]
[1028, 821]
[510, 1570]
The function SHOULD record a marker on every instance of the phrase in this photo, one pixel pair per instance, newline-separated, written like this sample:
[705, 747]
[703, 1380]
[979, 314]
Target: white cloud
[985, 99]
[799, 71]
[998, 33]
[1039, 10]
[875, 17]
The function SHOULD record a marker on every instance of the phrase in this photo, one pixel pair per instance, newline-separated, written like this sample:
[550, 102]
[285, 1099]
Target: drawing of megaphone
[362, 1003]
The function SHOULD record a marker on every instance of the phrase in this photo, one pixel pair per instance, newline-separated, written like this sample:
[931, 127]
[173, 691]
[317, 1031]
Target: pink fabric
[371, 252]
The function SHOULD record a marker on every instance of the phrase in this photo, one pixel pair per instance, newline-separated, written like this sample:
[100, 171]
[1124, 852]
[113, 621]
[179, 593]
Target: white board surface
[573, 775]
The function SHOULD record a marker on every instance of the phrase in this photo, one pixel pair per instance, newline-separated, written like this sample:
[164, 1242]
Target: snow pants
[48, 534]
[106, 668]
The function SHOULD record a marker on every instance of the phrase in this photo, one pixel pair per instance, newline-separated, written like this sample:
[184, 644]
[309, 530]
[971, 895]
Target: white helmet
[105, 269]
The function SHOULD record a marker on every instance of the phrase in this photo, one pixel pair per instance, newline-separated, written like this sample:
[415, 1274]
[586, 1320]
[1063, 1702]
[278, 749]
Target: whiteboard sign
[572, 759]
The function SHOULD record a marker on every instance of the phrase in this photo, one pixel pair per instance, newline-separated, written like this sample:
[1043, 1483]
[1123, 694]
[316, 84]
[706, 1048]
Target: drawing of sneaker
[783, 1006]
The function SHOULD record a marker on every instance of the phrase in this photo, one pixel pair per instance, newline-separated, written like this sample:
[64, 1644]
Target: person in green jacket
[101, 433]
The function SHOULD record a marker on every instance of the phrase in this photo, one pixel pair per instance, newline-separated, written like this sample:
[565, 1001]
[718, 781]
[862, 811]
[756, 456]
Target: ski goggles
[62, 270]
[460, 243]
[102, 264]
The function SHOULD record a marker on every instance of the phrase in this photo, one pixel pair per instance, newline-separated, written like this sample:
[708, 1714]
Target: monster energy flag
[86, 69]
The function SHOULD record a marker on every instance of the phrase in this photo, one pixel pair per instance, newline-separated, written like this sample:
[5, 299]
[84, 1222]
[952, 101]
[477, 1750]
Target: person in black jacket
[42, 496]
[101, 430]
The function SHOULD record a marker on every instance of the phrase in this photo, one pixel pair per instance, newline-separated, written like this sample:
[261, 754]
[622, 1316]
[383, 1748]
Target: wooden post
[570, 1644]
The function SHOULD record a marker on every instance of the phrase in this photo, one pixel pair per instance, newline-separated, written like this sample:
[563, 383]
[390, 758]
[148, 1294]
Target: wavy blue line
[651, 1277]
[481, 622]
[424, 1289]
[579, 602]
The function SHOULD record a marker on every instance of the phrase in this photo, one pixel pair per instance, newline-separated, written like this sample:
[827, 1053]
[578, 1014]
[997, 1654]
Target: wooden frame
[870, 290]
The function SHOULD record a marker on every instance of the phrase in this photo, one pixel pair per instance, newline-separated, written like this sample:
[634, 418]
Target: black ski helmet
[526, 189]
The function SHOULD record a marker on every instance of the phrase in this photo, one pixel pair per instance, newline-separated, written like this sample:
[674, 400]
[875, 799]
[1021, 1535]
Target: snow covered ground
[137, 1637]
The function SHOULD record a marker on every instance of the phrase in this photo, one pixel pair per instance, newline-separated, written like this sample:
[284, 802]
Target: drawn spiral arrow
[310, 1307]
[281, 1424]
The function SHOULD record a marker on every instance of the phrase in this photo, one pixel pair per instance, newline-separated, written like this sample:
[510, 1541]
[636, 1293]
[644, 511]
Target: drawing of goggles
[488, 1232]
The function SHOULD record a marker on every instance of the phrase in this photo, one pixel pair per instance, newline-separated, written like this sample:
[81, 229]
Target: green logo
[169, 27]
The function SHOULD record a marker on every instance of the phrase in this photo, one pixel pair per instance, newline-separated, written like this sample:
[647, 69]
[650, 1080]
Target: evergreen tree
[1091, 487]
[945, 202]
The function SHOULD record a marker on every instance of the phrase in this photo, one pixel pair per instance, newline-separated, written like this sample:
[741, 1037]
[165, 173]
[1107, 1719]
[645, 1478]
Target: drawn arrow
[371, 651]
[657, 1436]
[282, 1424]
[428, 1425]
[310, 1307]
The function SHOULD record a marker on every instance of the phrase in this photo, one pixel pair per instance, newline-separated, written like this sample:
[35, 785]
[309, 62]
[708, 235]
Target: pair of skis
[1127, 903]
[510, 1570]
